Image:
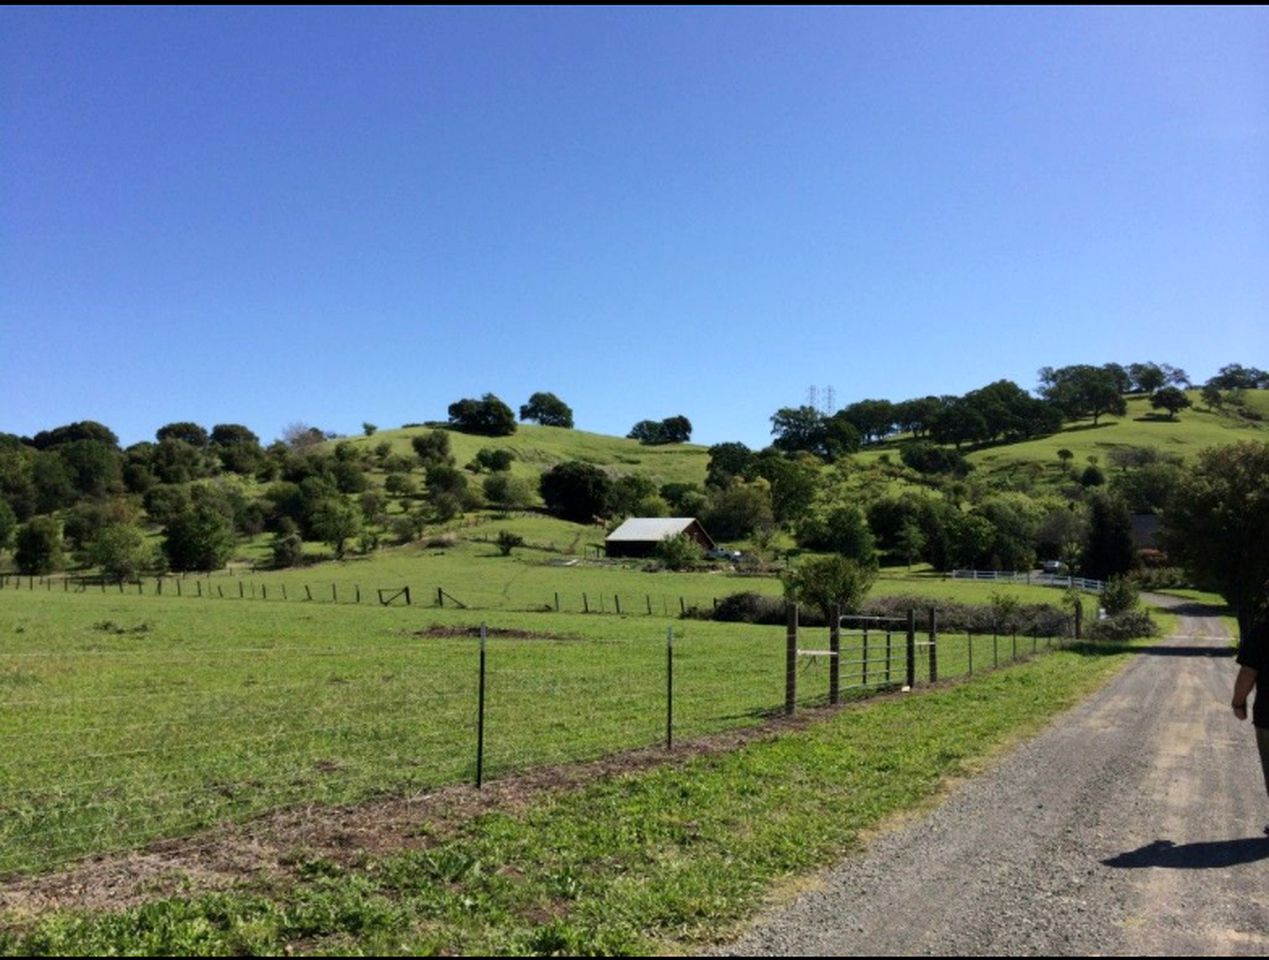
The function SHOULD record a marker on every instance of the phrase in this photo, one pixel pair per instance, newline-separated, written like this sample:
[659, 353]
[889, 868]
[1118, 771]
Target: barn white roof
[655, 529]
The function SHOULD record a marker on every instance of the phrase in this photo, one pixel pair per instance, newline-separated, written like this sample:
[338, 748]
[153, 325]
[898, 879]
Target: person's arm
[1244, 683]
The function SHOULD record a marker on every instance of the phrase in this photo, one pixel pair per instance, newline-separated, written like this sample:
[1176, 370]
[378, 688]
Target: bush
[679, 552]
[508, 541]
[1161, 578]
[406, 529]
[492, 459]
[924, 457]
[201, 538]
[824, 581]
[1124, 626]
[288, 550]
[576, 491]
[1120, 595]
[507, 491]
[120, 551]
[750, 607]
[39, 549]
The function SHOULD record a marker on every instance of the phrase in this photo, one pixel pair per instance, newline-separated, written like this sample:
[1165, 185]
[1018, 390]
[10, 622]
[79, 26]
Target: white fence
[1035, 578]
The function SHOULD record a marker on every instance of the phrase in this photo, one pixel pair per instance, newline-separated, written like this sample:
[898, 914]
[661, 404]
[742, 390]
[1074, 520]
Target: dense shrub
[749, 607]
[1042, 619]
[925, 457]
[1124, 626]
[679, 552]
[201, 538]
[1119, 596]
[39, 547]
[1161, 578]
[492, 459]
[288, 550]
[576, 491]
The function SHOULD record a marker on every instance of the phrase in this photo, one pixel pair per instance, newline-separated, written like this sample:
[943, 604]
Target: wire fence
[125, 744]
[471, 596]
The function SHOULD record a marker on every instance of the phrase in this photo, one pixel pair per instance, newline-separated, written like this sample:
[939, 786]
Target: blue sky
[336, 216]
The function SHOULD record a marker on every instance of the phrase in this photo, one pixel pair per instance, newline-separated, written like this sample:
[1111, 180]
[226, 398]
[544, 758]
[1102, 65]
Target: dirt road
[1134, 825]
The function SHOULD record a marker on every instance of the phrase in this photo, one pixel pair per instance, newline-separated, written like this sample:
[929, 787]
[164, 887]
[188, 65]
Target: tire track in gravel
[1132, 825]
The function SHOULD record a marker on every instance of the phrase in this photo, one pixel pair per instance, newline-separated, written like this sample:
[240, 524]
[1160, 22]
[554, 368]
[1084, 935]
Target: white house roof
[654, 529]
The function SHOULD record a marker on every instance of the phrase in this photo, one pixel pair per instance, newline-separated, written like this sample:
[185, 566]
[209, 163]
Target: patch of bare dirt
[450, 632]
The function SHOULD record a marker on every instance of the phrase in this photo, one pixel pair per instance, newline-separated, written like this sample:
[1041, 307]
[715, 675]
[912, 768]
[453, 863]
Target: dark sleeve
[1253, 650]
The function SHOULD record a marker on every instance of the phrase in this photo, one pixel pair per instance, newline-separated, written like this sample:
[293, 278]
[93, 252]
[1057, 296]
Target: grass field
[663, 861]
[135, 717]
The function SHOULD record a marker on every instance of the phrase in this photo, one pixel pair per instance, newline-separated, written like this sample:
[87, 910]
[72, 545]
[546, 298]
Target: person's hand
[1240, 710]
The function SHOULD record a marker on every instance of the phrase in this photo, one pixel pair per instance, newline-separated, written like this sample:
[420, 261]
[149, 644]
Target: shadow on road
[1180, 651]
[1194, 856]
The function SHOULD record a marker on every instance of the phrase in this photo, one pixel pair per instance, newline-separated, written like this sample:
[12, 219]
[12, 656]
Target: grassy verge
[631, 864]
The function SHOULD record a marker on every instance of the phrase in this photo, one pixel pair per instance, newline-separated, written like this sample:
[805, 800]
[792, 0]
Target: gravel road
[1133, 825]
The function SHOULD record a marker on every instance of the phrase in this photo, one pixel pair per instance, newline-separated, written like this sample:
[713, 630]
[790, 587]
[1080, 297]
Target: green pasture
[130, 717]
[557, 565]
[538, 449]
[664, 861]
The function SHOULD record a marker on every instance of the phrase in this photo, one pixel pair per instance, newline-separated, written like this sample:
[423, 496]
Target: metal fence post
[911, 677]
[934, 646]
[835, 655]
[669, 688]
[480, 716]
[791, 658]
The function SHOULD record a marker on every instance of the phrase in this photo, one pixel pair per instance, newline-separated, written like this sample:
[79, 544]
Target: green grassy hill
[1193, 430]
[537, 449]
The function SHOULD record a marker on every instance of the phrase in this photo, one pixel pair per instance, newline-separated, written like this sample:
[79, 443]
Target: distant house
[639, 536]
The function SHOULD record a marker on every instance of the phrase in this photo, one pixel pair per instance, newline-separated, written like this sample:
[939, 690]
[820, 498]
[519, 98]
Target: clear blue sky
[339, 215]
